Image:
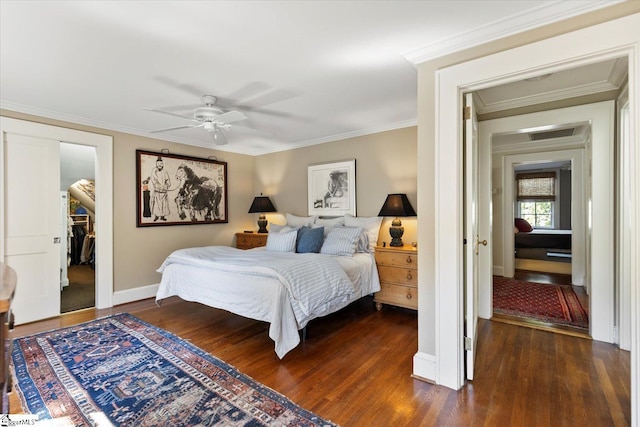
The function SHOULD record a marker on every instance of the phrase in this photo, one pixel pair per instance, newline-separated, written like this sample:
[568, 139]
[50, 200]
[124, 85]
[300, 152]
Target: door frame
[593, 44]
[602, 275]
[104, 194]
[578, 211]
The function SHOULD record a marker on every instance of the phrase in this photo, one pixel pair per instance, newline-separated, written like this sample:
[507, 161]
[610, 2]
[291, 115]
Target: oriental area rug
[557, 304]
[121, 371]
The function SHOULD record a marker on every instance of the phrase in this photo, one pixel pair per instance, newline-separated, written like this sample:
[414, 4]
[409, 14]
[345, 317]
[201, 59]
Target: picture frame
[179, 190]
[332, 188]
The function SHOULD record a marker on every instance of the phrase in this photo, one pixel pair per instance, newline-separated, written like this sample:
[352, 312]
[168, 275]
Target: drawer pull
[409, 260]
[409, 296]
[409, 276]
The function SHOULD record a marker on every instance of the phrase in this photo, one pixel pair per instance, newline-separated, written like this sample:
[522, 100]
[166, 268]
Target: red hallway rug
[556, 304]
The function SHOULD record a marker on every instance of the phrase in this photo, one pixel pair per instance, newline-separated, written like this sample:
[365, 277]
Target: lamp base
[396, 231]
[262, 224]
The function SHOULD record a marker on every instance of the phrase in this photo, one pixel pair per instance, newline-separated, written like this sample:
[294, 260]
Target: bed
[543, 244]
[285, 289]
[539, 238]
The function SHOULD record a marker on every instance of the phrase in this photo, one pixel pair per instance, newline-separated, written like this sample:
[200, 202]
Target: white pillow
[277, 228]
[370, 224]
[328, 224]
[282, 242]
[300, 221]
[363, 242]
[342, 241]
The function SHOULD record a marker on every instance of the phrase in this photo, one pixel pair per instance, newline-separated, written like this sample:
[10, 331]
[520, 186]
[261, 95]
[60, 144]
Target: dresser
[250, 240]
[7, 290]
[398, 271]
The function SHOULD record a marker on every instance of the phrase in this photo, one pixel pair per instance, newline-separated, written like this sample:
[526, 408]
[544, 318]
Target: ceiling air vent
[551, 134]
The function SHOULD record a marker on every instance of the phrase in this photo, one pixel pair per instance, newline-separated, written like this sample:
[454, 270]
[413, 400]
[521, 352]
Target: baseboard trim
[135, 294]
[424, 367]
[498, 270]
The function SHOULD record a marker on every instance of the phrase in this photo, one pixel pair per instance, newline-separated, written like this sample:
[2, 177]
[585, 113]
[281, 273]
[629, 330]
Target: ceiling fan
[209, 117]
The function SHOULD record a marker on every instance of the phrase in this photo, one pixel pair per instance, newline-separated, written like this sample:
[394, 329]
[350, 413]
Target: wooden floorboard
[355, 368]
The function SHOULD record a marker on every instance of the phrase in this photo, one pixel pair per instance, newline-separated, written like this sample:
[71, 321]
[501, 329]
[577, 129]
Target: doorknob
[478, 243]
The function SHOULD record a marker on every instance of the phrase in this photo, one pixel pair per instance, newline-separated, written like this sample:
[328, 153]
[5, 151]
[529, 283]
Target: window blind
[536, 186]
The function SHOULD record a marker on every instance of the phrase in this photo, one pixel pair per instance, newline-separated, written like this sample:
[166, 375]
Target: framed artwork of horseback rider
[180, 190]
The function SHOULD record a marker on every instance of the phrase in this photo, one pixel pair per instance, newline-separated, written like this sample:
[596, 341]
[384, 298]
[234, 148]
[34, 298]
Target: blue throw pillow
[310, 240]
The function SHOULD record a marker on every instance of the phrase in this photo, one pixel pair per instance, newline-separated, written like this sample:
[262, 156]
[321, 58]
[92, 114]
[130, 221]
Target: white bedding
[285, 289]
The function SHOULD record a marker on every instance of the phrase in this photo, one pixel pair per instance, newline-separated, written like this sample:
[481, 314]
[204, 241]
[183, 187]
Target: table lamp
[262, 204]
[397, 205]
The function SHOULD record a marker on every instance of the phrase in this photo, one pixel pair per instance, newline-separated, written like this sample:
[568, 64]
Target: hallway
[551, 279]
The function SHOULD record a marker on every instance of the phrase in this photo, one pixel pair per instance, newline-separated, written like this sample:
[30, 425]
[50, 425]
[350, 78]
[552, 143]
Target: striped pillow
[371, 225]
[282, 242]
[341, 241]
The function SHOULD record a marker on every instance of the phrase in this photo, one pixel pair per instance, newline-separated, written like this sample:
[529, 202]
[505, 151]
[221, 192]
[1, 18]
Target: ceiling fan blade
[177, 127]
[218, 137]
[248, 91]
[230, 117]
[185, 87]
[264, 111]
[271, 97]
[170, 114]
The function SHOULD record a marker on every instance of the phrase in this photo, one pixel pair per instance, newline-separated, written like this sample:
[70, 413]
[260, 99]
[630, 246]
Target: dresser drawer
[404, 276]
[403, 296]
[397, 259]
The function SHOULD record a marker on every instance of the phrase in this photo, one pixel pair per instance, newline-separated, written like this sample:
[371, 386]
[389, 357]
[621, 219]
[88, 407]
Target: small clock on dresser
[398, 271]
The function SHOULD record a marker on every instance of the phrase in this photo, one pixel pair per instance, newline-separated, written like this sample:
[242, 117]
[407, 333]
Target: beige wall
[385, 163]
[427, 143]
[138, 252]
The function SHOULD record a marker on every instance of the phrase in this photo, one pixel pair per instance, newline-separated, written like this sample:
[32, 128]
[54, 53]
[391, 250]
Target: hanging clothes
[79, 232]
[87, 249]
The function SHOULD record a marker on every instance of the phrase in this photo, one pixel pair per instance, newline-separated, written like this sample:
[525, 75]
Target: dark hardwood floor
[355, 368]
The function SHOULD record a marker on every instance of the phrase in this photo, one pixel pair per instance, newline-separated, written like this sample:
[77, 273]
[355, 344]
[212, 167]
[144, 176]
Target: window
[536, 197]
[538, 214]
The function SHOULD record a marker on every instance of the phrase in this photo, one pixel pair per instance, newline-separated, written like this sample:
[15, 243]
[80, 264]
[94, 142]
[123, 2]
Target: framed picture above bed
[332, 188]
[179, 190]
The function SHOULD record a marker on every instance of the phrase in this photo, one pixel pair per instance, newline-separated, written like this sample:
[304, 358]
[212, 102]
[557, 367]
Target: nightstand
[250, 240]
[398, 271]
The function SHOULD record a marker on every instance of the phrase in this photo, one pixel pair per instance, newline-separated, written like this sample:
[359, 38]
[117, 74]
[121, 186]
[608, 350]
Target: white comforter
[285, 289]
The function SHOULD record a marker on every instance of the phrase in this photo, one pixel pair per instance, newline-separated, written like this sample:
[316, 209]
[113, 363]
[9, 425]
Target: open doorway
[47, 292]
[590, 153]
[546, 56]
[543, 293]
[78, 261]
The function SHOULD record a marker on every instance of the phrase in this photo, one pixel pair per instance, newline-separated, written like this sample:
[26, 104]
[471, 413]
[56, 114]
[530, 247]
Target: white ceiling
[306, 72]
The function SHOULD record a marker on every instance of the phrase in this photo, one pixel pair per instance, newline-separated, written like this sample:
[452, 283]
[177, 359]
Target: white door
[32, 224]
[474, 244]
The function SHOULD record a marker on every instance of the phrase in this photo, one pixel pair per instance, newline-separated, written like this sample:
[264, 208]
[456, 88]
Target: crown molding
[536, 17]
[256, 150]
[556, 95]
[354, 134]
